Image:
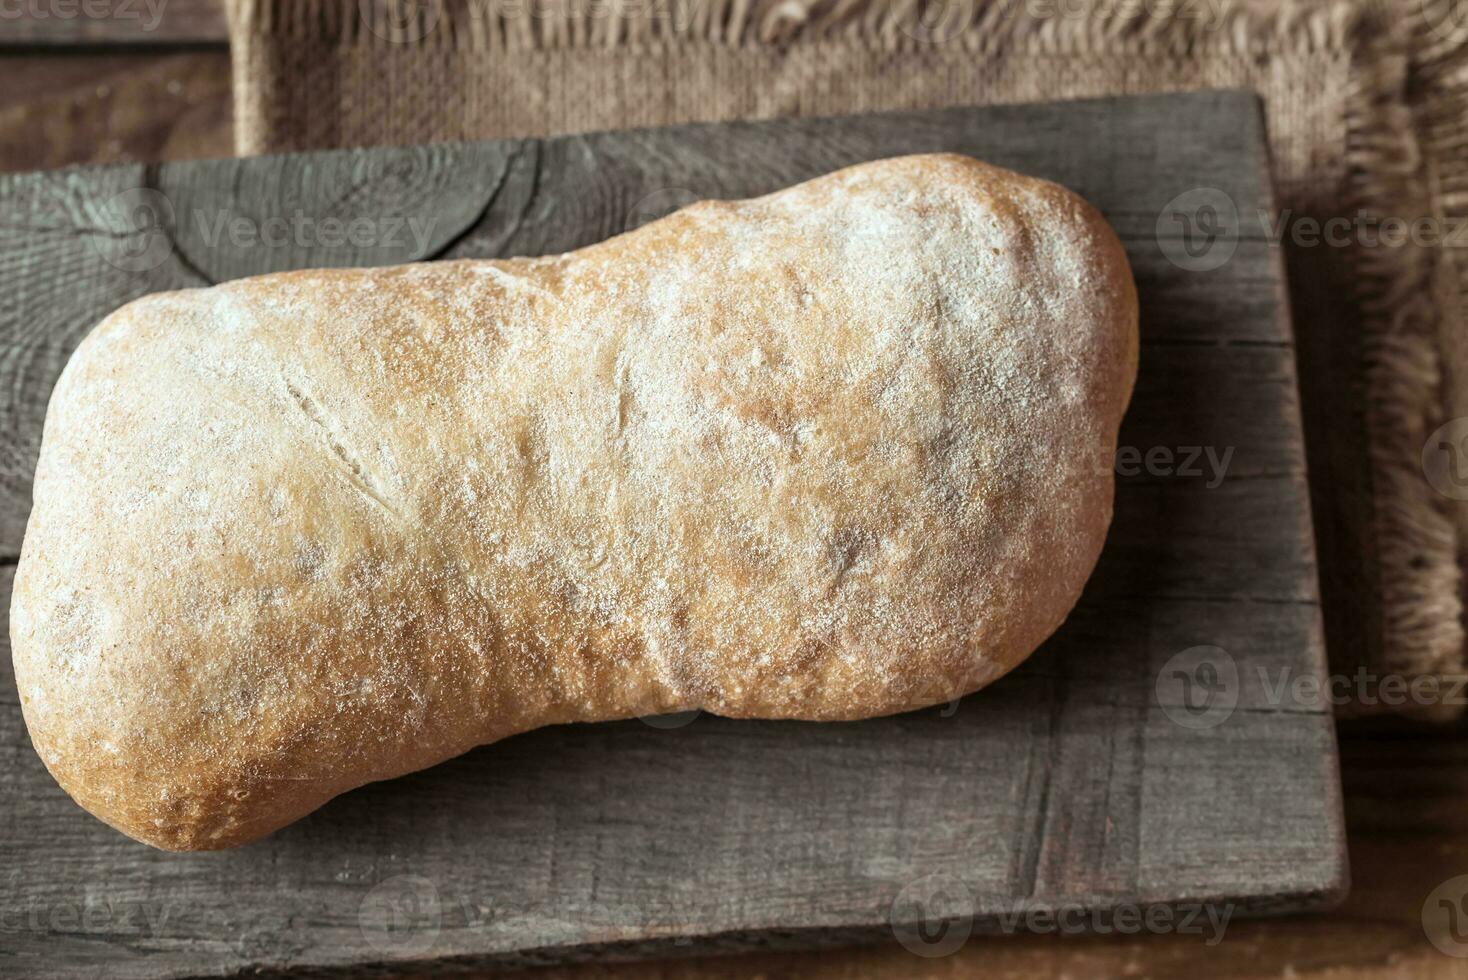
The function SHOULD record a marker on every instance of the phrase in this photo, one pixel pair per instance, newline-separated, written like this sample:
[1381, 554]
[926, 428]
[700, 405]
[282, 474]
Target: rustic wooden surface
[1069, 782]
[1406, 793]
[62, 109]
[1406, 786]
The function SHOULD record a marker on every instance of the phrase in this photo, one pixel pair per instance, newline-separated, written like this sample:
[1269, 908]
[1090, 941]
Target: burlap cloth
[1367, 113]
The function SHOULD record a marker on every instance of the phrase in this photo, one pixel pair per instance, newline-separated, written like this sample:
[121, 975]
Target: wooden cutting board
[1163, 749]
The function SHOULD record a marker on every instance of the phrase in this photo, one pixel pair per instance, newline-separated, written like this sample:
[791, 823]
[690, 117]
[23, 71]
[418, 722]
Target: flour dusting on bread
[827, 454]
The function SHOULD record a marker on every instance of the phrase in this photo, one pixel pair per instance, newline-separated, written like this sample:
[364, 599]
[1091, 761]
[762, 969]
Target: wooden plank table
[1406, 793]
[1081, 780]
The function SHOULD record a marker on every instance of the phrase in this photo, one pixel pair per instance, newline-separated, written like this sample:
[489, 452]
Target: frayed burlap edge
[1401, 160]
[979, 26]
[283, 48]
[1406, 160]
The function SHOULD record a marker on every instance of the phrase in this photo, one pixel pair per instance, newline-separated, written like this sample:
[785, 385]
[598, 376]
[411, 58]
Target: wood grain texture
[1078, 780]
[1406, 803]
[59, 108]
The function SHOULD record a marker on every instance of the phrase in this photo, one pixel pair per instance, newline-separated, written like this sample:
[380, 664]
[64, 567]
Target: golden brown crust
[832, 453]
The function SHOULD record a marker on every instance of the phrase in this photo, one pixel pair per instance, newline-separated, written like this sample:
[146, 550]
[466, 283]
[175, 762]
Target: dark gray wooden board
[1072, 781]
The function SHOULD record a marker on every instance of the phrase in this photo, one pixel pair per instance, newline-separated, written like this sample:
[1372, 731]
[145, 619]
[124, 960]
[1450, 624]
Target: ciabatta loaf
[831, 453]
